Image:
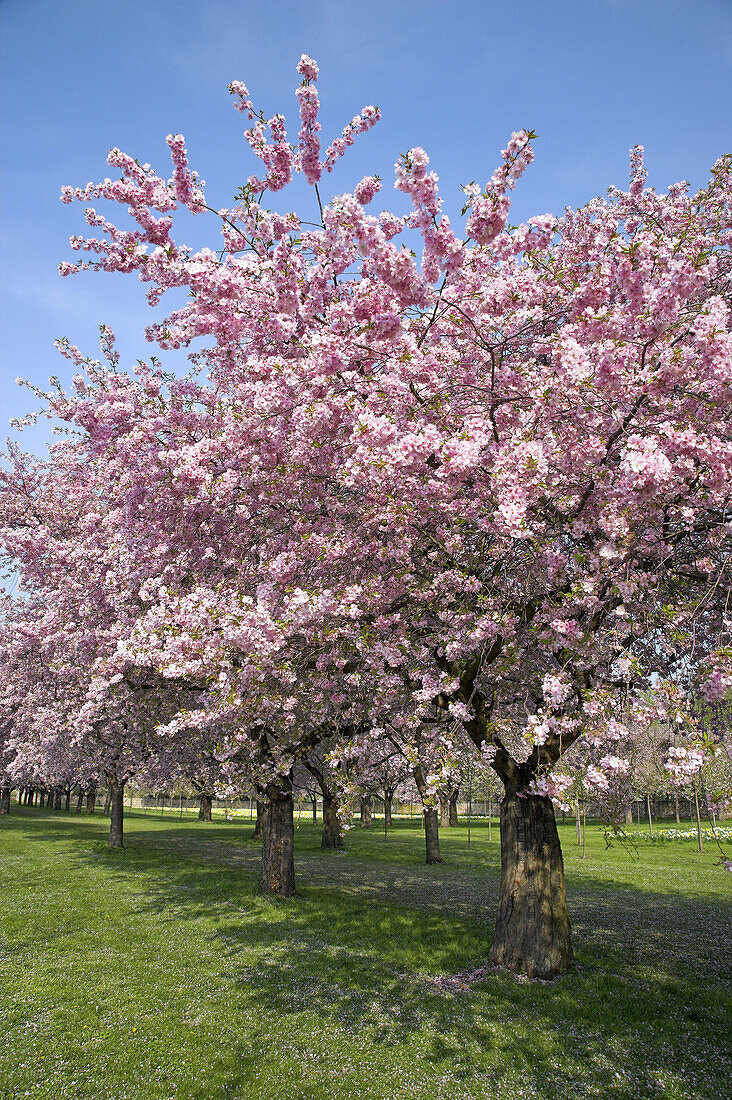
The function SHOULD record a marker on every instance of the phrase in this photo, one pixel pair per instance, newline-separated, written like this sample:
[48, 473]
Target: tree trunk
[387, 811]
[204, 810]
[5, 800]
[332, 837]
[453, 814]
[278, 841]
[80, 799]
[698, 820]
[257, 834]
[432, 836]
[676, 809]
[91, 798]
[629, 816]
[315, 810]
[366, 811]
[650, 815]
[57, 798]
[107, 803]
[444, 811]
[67, 803]
[533, 934]
[116, 813]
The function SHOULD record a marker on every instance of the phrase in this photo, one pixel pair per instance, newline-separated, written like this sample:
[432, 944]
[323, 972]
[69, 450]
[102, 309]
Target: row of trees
[400, 509]
[467, 785]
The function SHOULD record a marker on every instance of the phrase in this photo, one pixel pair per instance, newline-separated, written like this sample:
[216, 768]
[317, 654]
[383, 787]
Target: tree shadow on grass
[644, 1014]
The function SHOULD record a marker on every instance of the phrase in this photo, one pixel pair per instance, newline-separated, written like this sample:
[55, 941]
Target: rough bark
[432, 836]
[533, 933]
[116, 813]
[278, 840]
[5, 800]
[91, 798]
[67, 803]
[332, 836]
[80, 799]
[58, 796]
[257, 834]
[206, 807]
[387, 811]
[366, 811]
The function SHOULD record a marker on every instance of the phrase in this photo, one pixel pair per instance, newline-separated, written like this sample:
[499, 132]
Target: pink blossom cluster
[489, 210]
[683, 763]
[366, 189]
[554, 786]
[182, 179]
[360, 124]
[309, 142]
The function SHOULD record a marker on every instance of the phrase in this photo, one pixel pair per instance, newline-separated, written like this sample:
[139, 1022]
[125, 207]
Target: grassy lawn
[158, 973]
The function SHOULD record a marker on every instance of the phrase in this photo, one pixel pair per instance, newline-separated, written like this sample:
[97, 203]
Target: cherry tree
[483, 483]
[70, 718]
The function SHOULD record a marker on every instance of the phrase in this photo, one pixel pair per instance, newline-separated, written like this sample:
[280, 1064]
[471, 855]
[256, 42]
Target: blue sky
[592, 77]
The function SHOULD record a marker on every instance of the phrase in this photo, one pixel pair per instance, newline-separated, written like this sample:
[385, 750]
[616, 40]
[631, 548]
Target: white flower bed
[720, 833]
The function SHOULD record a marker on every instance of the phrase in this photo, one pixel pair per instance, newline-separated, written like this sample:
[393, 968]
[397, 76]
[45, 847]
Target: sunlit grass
[158, 972]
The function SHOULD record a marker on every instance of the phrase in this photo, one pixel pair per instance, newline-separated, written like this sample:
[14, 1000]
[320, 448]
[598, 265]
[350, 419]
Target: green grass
[158, 972]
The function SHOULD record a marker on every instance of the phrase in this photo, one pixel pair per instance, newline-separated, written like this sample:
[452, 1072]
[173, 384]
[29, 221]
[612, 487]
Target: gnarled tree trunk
[58, 796]
[278, 841]
[116, 813]
[366, 811]
[91, 798]
[432, 836]
[533, 934]
[332, 836]
[79, 799]
[206, 807]
[67, 803]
